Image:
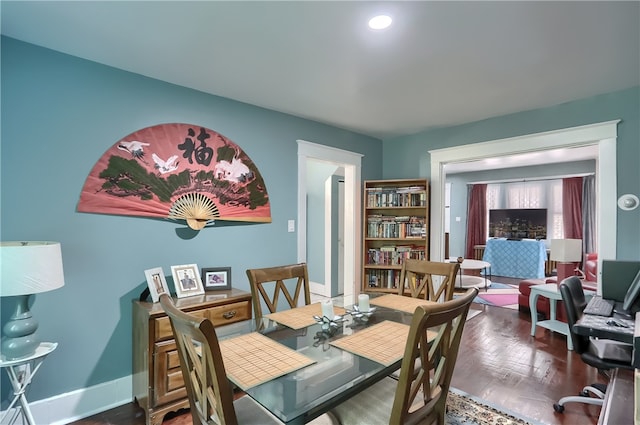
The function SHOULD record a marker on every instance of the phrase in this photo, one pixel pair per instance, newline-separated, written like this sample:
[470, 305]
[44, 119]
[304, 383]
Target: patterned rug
[463, 409]
[499, 295]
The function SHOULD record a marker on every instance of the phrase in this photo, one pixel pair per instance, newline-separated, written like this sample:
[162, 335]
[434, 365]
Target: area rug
[464, 409]
[499, 295]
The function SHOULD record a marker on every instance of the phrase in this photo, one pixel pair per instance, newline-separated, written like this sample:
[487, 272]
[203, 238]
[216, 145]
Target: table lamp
[566, 252]
[26, 268]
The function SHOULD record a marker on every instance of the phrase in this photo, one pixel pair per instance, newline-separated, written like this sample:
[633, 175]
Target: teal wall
[59, 115]
[408, 157]
[317, 174]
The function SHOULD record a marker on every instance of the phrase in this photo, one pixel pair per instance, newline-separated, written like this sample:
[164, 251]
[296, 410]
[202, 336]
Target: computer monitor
[631, 302]
[617, 276]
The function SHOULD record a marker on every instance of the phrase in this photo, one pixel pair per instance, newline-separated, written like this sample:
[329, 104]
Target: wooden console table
[158, 386]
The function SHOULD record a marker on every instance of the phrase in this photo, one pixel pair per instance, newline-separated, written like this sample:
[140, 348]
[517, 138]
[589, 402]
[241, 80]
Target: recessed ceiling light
[379, 22]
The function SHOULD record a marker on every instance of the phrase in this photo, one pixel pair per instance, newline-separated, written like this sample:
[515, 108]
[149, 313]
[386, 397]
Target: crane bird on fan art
[167, 166]
[135, 148]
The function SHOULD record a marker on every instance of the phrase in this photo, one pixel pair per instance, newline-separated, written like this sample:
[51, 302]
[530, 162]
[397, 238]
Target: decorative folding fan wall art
[180, 172]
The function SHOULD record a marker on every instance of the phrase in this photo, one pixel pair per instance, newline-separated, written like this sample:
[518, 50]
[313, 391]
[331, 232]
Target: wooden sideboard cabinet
[158, 386]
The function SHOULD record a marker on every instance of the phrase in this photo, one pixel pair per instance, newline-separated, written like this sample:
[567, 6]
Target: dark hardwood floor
[499, 361]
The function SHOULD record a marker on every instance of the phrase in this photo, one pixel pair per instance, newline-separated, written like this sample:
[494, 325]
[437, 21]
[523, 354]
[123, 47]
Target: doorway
[603, 135]
[350, 163]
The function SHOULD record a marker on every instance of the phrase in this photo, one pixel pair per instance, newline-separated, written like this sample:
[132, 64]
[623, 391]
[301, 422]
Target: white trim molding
[351, 162]
[603, 135]
[75, 405]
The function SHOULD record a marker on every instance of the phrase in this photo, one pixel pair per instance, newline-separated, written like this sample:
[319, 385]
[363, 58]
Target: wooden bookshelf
[396, 226]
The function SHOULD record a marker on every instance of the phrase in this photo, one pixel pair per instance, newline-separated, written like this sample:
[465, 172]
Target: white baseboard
[75, 405]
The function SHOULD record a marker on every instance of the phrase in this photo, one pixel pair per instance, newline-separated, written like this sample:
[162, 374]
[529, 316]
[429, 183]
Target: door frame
[603, 134]
[351, 162]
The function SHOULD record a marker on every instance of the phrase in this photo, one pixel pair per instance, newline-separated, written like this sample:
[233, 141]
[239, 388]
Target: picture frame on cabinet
[156, 282]
[186, 278]
[216, 278]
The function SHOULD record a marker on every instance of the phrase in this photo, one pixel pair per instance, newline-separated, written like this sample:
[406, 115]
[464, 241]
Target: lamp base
[17, 348]
[19, 339]
[565, 270]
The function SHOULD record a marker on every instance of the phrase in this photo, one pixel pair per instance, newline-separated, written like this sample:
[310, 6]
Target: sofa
[591, 267]
[589, 282]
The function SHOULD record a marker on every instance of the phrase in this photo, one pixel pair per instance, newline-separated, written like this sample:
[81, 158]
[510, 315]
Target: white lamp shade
[30, 267]
[566, 250]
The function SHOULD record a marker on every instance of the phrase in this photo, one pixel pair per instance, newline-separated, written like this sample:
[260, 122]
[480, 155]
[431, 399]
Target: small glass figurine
[327, 323]
[361, 315]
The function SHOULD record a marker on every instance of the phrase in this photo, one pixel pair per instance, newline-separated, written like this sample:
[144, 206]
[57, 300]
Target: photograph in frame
[216, 278]
[186, 278]
[157, 283]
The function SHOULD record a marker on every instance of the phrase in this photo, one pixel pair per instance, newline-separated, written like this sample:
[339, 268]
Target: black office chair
[602, 354]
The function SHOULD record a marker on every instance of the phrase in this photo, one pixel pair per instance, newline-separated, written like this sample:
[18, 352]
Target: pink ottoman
[543, 303]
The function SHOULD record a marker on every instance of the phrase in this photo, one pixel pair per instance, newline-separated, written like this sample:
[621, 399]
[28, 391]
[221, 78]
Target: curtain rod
[532, 179]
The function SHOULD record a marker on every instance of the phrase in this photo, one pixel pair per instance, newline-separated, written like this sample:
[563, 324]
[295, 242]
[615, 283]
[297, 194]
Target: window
[555, 212]
[534, 194]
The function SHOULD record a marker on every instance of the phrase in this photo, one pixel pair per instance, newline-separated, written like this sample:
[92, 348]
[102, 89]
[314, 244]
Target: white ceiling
[439, 64]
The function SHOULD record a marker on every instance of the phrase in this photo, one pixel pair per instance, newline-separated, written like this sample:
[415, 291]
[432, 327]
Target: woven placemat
[301, 317]
[383, 342]
[399, 302]
[253, 359]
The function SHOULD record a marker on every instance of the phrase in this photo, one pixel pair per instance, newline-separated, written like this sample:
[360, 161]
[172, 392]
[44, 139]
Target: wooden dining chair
[420, 395]
[416, 279]
[208, 389]
[268, 283]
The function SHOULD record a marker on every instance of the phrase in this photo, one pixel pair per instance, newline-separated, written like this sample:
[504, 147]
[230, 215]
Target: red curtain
[572, 207]
[477, 218]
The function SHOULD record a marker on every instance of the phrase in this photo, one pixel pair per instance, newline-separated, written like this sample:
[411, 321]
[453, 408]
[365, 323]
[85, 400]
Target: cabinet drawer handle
[229, 314]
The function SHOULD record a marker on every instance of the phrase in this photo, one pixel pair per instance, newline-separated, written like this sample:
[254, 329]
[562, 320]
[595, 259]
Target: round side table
[467, 281]
[21, 372]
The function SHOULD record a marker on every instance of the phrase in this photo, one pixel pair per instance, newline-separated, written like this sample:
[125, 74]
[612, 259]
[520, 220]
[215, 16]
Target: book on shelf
[398, 227]
[383, 278]
[410, 189]
[391, 255]
[380, 197]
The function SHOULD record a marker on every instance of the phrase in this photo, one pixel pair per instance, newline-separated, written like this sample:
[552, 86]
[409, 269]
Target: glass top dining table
[336, 375]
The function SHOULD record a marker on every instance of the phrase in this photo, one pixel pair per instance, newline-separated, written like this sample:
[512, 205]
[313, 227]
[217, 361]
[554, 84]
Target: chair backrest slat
[424, 385]
[417, 279]
[268, 283]
[208, 388]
